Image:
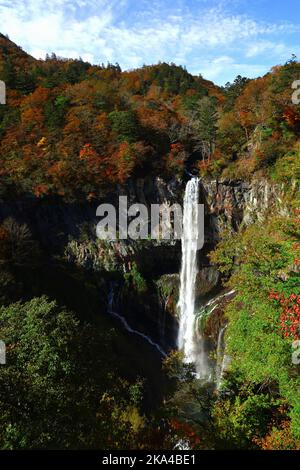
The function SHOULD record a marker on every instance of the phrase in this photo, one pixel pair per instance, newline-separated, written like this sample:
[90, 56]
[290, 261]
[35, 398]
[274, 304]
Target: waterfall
[186, 303]
[191, 339]
[127, 326]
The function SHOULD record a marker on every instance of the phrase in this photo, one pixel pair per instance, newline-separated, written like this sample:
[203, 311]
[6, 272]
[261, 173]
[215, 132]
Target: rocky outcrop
[69, 229]
[54, 221]
[232, 203]
[227, 205]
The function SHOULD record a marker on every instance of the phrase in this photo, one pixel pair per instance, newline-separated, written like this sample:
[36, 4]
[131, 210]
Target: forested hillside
[73, 129]
[72, 132]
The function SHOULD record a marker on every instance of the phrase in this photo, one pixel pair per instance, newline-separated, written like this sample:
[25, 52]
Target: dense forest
[73, 132]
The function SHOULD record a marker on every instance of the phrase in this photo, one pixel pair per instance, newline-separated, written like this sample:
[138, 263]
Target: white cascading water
[127, 326]
[191, 339]
[189, 269]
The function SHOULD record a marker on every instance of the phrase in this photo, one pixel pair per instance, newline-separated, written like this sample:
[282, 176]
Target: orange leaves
[13, 97]
[42, 142]
[279, 439]
[72, 137]
[291, 116]
[67, 118]
[254, 105]
[40, 190]
[87, 153]
[101, 123]
[155, 116]
[123, 161]
[94, 162]
[36, 99]
[32, 115]
[132, 81]
[176, 158]
[203, 166]
[57, 170]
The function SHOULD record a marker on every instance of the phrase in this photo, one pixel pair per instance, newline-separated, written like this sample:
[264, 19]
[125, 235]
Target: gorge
[148, 343]
[195, 291]
[153, 297]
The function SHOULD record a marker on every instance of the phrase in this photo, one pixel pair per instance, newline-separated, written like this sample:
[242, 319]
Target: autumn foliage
[279, 438]
[71, 128]
[175, 159]
[290, 314]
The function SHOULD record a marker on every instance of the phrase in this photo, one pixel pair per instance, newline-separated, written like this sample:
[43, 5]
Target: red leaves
[95, 163]
[119, 165]
[187, 431]
[87, 152]
[290, 314]
[40, 190]
[291, 116]
[123, 162]
[176, 158]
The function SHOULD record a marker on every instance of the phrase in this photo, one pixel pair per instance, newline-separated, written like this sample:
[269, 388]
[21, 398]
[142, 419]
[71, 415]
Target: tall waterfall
[189, 242]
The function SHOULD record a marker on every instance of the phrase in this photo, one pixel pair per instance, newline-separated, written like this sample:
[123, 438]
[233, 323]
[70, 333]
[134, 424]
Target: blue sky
[216, 38]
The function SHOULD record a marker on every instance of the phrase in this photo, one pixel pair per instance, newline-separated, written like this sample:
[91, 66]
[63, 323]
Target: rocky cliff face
[232, 203]
[53, 221]
[69, 229]
[227, 204]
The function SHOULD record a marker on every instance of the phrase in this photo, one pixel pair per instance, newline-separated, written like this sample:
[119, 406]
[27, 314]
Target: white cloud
[271, 48]
[223, 68]
[103, 30]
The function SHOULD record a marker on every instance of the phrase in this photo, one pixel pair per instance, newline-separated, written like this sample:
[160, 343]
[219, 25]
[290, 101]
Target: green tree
[204, 123]
[124, 125]
[58, 389]
[263, 259]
